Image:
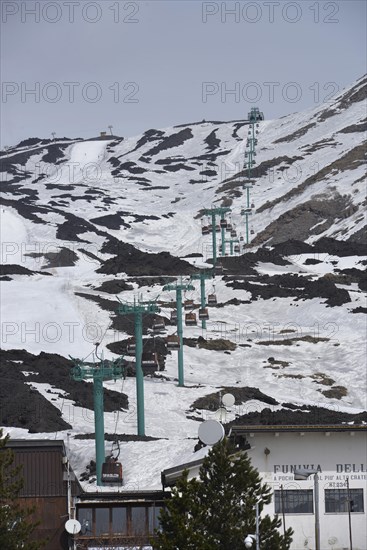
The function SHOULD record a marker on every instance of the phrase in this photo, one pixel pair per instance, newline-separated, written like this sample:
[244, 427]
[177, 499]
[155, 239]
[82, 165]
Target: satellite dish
[73, 526]
[228, 400]
[210, 432]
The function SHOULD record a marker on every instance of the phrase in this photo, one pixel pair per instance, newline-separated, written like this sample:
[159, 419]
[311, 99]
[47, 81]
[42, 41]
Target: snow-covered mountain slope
[85, 220]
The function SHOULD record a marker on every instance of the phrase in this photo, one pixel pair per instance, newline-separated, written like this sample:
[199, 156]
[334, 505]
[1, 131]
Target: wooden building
[118, 519]
[49, 487]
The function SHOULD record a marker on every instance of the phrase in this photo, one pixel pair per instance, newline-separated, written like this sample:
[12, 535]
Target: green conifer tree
[16, 526]
[216, 511]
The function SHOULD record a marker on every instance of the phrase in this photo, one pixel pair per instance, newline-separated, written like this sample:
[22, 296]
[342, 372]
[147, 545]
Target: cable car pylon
[178, 287]
[213, 212]
[231, 242]
[253, 116]
[138, 308]
[105, 370]
[202, 276]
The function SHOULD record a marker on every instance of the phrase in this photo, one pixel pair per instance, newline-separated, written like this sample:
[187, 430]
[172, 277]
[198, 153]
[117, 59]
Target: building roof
[38, 443]
[132, 496]
[245, 429]
[43, 467]
[171, 475]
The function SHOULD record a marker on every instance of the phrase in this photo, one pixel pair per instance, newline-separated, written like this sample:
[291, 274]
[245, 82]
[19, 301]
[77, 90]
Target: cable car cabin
[205, 230]
[223, 224]
[190, 319]
[217, 228]
[189, 304]
[233, 233]
[158, 327]
[173, 316]
[241, 239]
[112, 473]
[246, 211]
[237, 248]
[149, 361]
[173, 342]
[203, 314]
[229, 226]
[130, 349]
[252, 205]
[252, 231]
[212, 300]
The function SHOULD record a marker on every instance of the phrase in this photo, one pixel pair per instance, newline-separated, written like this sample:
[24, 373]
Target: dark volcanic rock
[132, 261]
[13, 269]
[212, 141]
[292, 247]
[115, 286]
[62, 258]
[340, 248]
[55, 153]
[39, 414]
[111, 221]
[292, 286]
[241, 395]
[174, 140]
[245, 264]
[309, 415]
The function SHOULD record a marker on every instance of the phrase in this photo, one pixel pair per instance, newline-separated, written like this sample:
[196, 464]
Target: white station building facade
[338, 453]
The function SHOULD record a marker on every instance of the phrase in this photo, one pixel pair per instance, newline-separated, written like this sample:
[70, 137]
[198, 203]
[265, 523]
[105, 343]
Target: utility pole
[202, 277]
[106, 370]
[178, 287]
[213, 212]
[138, 308]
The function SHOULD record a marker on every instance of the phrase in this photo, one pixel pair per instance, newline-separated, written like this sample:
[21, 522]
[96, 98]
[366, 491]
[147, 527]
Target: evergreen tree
[16, 527]
[217, 510]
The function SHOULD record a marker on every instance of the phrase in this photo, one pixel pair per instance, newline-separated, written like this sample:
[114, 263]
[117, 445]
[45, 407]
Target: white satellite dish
[228, 400]
[73, 526]
[210, 432]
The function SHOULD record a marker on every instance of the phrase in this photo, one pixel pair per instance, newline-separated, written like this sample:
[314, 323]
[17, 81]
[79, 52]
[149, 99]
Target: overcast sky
[75, 67]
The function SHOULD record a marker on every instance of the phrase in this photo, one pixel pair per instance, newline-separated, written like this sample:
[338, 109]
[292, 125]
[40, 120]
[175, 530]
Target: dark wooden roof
[43, 467]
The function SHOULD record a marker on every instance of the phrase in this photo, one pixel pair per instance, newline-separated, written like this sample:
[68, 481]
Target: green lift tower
[105, 370]
[138, 308]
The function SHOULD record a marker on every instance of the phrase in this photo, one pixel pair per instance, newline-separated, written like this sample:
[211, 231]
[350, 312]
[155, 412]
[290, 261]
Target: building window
[139, 520]
[119, 521]
[294, 501]
[125, 521]
[154, 512]
[85, 516]
[102, 521]
[336, 500]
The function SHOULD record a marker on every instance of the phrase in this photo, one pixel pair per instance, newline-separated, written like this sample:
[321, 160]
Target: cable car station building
[337, 453]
